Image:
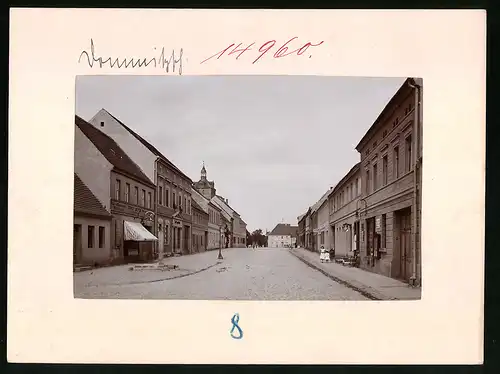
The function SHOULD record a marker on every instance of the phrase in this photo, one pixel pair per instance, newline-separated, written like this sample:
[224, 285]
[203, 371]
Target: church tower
[204, 186]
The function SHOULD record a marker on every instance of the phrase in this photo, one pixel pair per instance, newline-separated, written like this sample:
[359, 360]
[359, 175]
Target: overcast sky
[272, 144]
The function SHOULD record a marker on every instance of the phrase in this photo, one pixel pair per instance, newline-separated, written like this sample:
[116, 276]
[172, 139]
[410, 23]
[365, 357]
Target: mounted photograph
[247, 187]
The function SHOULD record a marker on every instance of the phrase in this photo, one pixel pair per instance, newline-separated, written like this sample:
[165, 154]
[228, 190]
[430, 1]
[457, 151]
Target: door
[405, 257]
[161, 237]
[186, 239]
[77, 243]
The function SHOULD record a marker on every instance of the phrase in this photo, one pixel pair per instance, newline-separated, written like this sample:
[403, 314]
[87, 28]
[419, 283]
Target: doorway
[186, 239]
[403, 218]
[77, 243]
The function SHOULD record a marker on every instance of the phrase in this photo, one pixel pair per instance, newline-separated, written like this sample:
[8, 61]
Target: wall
[95, 254]
[92, 168]
[323, 226]
[279, 241]
[130, 145]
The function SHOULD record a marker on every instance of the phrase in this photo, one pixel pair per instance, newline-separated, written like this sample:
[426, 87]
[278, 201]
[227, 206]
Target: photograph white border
[47, 324]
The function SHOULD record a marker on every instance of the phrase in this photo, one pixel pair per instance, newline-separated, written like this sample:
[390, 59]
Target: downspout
[157, 245]
[416, 169]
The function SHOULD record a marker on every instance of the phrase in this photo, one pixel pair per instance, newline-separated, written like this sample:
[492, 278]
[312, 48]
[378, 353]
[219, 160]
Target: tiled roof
[149, 146]
[196, 206]
[284, 229]
[85, 201]
[111, 150]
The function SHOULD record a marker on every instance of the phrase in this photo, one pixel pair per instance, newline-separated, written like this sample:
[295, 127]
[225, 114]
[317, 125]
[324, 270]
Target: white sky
[272, 144]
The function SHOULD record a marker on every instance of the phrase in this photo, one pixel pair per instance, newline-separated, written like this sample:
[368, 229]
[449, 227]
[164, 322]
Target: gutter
[416, 182]
[156, 244]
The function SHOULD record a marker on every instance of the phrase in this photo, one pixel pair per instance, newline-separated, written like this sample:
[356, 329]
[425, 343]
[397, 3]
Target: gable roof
[149, 146]
[200, 200]
[284, 229]
[111, 151]
[198, 207]
[85, 202]
[220, 201]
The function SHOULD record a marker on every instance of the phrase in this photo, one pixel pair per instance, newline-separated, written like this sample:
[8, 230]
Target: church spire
[203, 172]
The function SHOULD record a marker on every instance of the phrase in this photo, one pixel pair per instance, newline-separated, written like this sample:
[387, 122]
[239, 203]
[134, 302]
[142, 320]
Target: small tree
[227, 234]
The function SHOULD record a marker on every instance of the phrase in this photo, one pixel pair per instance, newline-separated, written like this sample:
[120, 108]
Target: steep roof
[196, 206]
[149, 146]
[111, 151]
[85, 202]
[284, 229]
[200, 200]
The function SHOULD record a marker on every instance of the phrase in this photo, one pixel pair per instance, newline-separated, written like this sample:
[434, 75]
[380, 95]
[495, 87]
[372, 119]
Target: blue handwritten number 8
[235, 321]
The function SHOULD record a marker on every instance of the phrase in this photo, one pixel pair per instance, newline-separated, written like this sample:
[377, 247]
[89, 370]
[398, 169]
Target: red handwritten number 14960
[264, 48]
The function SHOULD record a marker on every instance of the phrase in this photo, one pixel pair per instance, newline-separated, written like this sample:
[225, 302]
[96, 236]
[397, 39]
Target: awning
[137, 232]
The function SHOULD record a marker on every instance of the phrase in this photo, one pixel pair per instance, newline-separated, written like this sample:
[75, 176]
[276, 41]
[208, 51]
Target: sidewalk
[371, 285]
[122, 275]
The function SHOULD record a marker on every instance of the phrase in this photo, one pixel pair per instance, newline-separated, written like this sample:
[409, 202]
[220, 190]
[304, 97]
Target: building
[121, 187]
[308, 230]
[226, 229]
[172, 213]
[319, 223]
[203, 191]
[282, 236]
[323, 227]
[343, 219]
[91, 227]
[301, 232]
[390, 201]
[200, 228]
[239, 232]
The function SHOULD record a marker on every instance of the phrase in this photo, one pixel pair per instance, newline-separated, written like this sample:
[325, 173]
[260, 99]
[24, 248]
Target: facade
[172, 213]
[390, 201]
[233, 221]
[308, 230]
[343, 203]
[214, 219]
[226, 224]
[282, 236]
[323, 229]
[301, 231]
[123, 190]
[200, 228]
[91, 227]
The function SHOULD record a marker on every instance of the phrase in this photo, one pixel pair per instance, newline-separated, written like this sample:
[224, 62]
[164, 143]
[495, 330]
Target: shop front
[137, 242]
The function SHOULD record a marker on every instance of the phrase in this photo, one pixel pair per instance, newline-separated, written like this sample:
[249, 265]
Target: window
[359, 186]
[384, 234]
[102, 123]
[149, 200]
[127, 192]
[408, 156]
[118, 190]
[367, 185]
[396, 162]
[160, 196]
[384, 170]
[143, 197]
[173, 199]
[180, 201]
[167, 234]
[136, 193]
[167, 194]
[101, 237]
[90, 237]
[347, 194]
[375, 177]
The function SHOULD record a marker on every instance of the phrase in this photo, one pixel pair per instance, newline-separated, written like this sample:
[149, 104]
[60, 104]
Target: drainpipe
[155, 221]
[416, 168]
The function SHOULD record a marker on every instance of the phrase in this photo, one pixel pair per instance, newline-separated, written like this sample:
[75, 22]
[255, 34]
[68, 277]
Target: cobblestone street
[244, 274]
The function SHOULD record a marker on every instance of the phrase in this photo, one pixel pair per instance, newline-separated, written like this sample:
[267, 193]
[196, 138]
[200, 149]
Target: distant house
[282, 236]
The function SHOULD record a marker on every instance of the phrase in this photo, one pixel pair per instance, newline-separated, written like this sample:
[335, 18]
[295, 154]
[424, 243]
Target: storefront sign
[119, 207]
[378, 225]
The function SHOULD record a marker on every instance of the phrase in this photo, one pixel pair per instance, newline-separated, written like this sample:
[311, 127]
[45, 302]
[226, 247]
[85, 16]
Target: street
[243, 274]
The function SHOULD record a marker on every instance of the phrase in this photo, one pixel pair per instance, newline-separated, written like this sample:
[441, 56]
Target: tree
[258, 238]
[227, 234]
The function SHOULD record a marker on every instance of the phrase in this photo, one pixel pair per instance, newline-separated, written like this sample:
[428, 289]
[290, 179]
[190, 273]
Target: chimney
[227, 201]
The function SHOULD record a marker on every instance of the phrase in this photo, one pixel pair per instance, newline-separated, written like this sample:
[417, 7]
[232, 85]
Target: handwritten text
[170, 63]
[282, 51]
[234, 321]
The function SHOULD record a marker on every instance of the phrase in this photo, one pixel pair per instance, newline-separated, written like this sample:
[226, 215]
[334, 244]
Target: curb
[363, 292]
[158, 280]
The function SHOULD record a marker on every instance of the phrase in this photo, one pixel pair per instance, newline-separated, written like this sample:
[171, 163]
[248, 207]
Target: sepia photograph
[247, 187]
